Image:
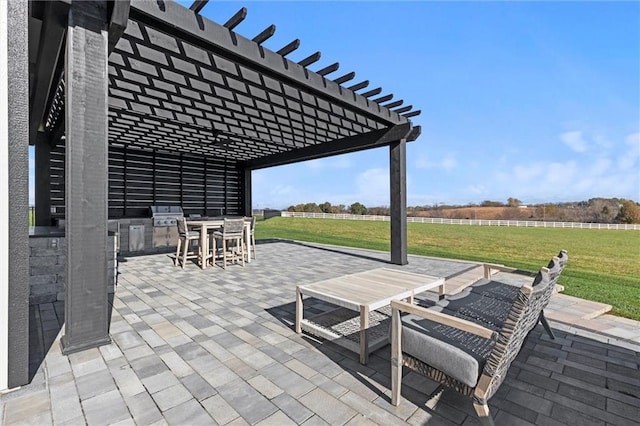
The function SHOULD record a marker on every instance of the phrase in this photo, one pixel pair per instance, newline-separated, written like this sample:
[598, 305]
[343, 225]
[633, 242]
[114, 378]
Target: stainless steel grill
[164, 216]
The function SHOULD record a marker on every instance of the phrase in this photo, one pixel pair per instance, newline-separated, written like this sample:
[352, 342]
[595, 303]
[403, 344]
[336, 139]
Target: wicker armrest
[488, 267]
[442, 318]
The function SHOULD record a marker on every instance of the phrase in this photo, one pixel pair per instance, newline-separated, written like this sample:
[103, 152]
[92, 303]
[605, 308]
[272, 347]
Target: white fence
[479, 222]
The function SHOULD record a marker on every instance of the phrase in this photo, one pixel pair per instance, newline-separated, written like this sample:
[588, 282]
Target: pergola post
[398, 199]
[246, 193]
[86, 99]
[43, 180]
[14, 193]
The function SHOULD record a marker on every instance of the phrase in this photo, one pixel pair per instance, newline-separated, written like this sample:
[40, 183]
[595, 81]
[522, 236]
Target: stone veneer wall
[47, 257]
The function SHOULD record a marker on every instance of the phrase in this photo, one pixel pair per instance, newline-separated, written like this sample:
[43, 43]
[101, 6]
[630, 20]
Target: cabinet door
[172, 236]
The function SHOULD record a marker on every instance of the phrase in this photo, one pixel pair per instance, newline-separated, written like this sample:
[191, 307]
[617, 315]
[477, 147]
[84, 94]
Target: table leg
[299, 309]
[396, 357]
[204, 245]
[247, 238]
[364, 324]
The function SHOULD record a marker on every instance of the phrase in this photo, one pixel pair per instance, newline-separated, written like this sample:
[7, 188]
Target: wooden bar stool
[185, 237]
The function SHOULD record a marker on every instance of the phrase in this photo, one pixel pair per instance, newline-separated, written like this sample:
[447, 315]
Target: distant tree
[513, 202]
[604, 216]
[489, 203]
[325, 207]
[357, 208]
[338, 209]
[629, 213]
[382, 211]
[311, 208]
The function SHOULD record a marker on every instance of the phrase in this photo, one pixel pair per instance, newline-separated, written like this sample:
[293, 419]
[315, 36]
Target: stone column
[14, 194]
[86, 302]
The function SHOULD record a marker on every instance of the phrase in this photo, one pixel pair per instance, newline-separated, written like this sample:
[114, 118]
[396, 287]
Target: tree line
[327, 207]
[594, 210]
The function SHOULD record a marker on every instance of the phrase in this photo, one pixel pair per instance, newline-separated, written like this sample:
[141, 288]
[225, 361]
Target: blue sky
[534, 100]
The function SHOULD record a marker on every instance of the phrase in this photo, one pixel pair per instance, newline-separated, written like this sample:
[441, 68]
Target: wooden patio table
[366, 293]
[203, 226]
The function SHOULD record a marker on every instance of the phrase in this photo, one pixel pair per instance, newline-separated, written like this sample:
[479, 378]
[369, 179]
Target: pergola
[143, 103]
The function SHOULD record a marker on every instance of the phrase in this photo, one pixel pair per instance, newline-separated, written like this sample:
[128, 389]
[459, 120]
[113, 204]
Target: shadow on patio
[214, 346]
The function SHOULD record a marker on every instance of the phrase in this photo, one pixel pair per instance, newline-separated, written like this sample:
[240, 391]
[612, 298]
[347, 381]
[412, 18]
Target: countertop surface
[51, 232]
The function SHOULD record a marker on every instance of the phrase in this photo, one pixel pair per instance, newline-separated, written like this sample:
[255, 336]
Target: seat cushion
[456, 353]
[495, 289]
[485, 311]
[191, 235]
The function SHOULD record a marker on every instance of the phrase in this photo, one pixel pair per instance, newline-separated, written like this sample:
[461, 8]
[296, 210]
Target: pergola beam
[359, 86]
[345, 78]
[412, 113]
[181, 23]
[50, 55]
[394, 104]
[384, 98]
[372, 92]
[359, 142]
[310, 59]
[265, 34]
[328, 69]
[197, 5]
[403, 109]
[118, 19]
[236, 19]
[289, 48]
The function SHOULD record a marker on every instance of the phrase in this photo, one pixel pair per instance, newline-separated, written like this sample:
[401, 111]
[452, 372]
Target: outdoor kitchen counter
[45, 232]
[52, 232]
[47, 261]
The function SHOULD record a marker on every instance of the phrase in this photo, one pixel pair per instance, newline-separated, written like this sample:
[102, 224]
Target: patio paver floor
[218, 347]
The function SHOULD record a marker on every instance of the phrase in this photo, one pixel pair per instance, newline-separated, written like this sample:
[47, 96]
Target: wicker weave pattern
[524, 307]
[500, 291]
[478, 345]
[437, 375]
[521, 319]
[487, 311]
[346, 323]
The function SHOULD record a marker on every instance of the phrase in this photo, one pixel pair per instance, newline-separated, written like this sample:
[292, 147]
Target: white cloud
[566, 180]
[574, 140]
[630, 157]
[373, 186]
[280, 190]
[447, 163]
[477, 189]
[634, 140]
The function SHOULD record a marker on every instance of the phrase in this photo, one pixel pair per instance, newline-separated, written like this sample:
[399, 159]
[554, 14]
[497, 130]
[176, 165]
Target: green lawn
[604, 265]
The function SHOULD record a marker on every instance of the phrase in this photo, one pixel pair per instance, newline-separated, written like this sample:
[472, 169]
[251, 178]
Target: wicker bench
[487, 301]
[468, 342]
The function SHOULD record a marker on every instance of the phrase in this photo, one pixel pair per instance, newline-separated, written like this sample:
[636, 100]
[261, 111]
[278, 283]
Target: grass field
[604, 265]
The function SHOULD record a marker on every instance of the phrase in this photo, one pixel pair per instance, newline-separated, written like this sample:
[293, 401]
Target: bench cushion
[456, 353]
[495, 289]
[485, 311]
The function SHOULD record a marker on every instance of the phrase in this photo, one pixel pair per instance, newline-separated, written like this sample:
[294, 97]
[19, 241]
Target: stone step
[571, 310]
[457, 283]
[562, 308]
